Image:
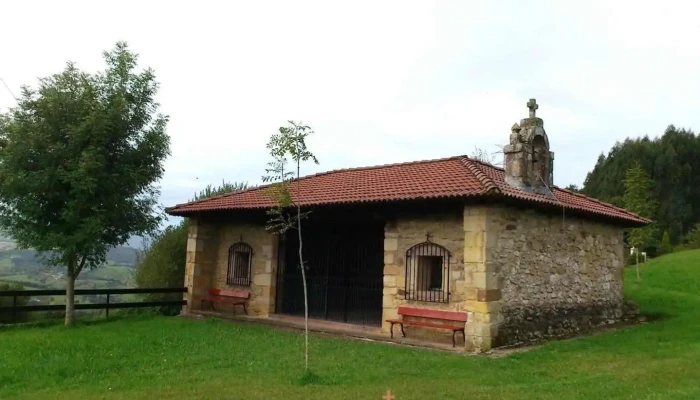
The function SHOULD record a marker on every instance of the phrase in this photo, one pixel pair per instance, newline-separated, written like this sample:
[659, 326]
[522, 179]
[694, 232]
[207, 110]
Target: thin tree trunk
[70, 299]
[303, 278]
[637, 267]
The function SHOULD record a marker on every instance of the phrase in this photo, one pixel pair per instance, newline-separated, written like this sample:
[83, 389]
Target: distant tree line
[666, 172]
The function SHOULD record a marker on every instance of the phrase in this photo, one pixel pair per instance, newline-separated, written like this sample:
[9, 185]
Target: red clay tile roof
[456, 177]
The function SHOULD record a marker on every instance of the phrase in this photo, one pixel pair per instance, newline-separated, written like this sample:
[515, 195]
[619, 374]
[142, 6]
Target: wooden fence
[16, 308]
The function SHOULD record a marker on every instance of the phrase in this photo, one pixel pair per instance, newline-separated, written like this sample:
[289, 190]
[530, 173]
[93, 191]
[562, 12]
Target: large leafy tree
[638, 198]
[79, 159]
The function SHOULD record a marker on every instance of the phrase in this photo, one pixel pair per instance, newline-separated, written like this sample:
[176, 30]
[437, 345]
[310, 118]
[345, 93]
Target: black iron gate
[344, 273]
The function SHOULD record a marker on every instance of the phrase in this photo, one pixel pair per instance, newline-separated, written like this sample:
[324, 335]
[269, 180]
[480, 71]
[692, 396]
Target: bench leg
[402, 332]
[203, 302]
[392, 330]
[464, 338]
[245, 308]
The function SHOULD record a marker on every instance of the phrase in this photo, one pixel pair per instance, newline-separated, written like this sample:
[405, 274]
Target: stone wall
[264, 264]
[202, 242]
[207, 262]
[445, 229]
[556, 276]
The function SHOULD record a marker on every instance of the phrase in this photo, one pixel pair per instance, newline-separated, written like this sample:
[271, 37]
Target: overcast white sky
[379, 81]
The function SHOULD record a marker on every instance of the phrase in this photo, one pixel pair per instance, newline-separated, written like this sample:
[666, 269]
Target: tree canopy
[79, 159]
[672, 161]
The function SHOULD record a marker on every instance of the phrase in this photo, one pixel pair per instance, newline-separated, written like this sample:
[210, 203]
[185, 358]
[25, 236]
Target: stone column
[200, 263]
[483, 293]
[264, 280]
[394, 281]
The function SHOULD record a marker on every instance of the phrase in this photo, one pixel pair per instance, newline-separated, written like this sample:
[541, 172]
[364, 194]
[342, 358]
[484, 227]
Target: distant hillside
[23, 266]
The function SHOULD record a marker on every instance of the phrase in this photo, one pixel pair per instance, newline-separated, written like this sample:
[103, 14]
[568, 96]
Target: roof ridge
[593, 199]
[488, 183]
[379, 166]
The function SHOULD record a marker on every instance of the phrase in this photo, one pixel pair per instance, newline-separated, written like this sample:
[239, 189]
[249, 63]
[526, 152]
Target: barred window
[240, 261]
[428, 273]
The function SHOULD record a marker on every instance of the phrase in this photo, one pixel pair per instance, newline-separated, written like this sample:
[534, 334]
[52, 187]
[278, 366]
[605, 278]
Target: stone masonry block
[474, 223]
[389, 258]
[483, 306]
[488, 294]
[393, 270]
[473, 254]
[474, 239]
[470, 293]
[391, 244]
[192, 244]
[485, 280]
[267, 251]
[390, 290]
[264, 280]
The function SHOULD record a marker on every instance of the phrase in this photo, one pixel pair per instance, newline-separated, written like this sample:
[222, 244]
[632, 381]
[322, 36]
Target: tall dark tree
[673, 163]
[79, 159]
[639, 199]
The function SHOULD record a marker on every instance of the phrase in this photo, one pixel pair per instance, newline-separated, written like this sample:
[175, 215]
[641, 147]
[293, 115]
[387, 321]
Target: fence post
[107, 309]
[14, 309]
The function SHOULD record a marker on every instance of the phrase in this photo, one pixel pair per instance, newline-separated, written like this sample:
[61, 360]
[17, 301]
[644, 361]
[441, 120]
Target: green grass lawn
[158, 358]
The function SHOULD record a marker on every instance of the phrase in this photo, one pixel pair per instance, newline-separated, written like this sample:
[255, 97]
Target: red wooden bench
[431, 314]
[236, 297]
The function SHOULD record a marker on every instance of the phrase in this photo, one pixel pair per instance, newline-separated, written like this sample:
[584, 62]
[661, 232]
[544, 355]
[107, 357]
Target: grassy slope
[144, 358]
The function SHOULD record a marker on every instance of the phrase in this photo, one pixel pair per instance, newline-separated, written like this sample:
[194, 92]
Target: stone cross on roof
[532, 105]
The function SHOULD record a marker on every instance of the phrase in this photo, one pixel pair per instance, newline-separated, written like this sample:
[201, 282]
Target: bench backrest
[238, 293]
[433, 314]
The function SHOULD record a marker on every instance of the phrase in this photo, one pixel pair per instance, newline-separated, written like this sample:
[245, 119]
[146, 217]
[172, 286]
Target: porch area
[325, 327]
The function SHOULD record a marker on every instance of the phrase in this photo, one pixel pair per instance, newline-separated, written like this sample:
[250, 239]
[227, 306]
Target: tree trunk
[306, 296]
[70, 299]
[637, 267]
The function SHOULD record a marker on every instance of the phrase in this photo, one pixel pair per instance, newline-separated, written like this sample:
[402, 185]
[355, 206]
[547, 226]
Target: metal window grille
[428, 273]
[240, 261]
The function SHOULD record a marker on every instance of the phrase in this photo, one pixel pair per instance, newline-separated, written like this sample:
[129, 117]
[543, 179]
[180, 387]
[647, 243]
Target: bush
[162, 264]
[632, 260]
[692, 239]
[666, 247]
[6, 301]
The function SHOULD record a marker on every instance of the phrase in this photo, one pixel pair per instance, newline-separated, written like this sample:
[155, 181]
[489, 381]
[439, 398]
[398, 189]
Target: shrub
[692, 239]
[162, 264]
[666, 247]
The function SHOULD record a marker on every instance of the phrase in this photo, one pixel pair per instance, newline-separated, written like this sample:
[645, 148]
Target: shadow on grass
[59, 322]
[651, 316]
[309, 378]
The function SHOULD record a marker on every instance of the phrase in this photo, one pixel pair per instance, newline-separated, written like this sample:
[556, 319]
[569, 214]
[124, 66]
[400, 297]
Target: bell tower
[528, 161]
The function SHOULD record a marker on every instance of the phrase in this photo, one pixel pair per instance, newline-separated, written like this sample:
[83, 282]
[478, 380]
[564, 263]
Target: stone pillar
[200, 263]
[483, 304]
[264, 280]
[394, 282]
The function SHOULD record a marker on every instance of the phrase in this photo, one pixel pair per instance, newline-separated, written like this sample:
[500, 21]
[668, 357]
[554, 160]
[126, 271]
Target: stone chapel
[521, 257]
